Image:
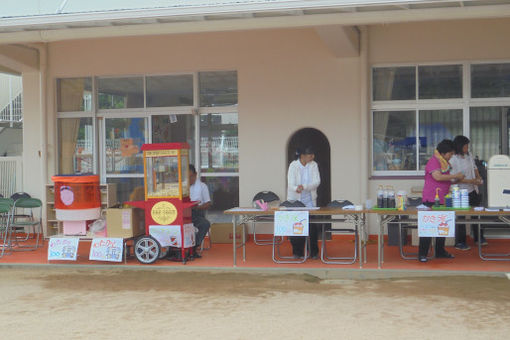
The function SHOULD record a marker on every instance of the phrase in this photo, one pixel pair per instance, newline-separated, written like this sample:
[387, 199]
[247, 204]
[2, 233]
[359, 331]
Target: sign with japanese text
[291, 223]
[436, 223]
[170, 235]
[106, 249]
[63, 248]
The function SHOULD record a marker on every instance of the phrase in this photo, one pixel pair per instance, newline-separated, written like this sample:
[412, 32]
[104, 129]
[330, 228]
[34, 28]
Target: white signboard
[63, 248]
[291, 223]
[436, 223]
[106, 249]
[170, 235]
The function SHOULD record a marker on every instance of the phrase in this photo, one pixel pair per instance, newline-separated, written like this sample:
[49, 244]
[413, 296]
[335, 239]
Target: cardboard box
[222, 233]
[125, 222]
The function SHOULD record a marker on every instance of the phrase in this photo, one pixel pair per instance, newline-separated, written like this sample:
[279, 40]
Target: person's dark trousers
[201, 223]
[298, 242]
[460, 229]
[424, 244]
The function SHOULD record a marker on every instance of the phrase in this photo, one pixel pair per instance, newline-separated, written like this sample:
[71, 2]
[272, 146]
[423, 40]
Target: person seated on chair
[303, 178]
[199, 192]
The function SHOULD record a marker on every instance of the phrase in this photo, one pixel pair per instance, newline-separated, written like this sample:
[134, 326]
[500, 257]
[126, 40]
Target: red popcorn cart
[167, 204]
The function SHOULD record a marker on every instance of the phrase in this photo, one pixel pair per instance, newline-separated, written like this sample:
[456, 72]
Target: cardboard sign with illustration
[106, 249]
[291, 223]
[63, 248]
[436, 223]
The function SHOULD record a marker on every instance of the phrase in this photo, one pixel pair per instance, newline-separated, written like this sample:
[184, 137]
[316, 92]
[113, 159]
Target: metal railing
[13, 112]
[11, 175]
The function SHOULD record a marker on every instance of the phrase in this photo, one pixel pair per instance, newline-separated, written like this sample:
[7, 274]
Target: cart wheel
[147, 250]
[164, 252]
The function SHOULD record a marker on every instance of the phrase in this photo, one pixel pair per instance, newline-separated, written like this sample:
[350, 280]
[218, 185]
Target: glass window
[440, 82]
[76, 145]
[128, 189]
[485, 130]
[394, 83]
[218, 88]
[490, 80]
[224, 192]
[74, 94]
[175, 129]
[120, 93]
[170, 90]
[436, 125]
[394, 140]
[124, 139]
[163, 176]
[219, 142]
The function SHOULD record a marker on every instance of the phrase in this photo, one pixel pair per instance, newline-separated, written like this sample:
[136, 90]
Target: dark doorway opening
[316, 139]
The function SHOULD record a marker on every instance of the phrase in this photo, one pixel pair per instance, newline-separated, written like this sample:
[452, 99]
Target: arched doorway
[320, 143]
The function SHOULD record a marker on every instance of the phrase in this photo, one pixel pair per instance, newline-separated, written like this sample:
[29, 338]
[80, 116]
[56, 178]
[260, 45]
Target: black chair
[268, 197]
[338, 204]
[277, 257]
[17, 195]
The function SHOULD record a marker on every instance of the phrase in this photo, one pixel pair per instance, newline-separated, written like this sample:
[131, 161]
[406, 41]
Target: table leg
[244, 242]
[360, 239]
[234, 239]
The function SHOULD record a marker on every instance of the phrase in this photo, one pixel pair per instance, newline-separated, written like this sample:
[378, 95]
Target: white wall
[287, 80]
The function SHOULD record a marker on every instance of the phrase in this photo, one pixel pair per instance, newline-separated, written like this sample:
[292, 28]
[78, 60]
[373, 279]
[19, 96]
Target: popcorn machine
[167, 205]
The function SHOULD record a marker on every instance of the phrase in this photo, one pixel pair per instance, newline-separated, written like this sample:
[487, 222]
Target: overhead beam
[342, 41]
[19, 58]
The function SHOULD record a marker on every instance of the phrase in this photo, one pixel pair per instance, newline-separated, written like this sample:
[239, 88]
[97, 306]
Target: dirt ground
[64, 303]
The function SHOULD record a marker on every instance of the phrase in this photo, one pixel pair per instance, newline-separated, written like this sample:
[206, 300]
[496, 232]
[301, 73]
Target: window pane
[74, 94]
[394, 83]
[218, 88]
[440, 82]
[394, 140]
[224, 193]
[436, 125]
[128, 189]
[485, 131]
[490, 80]
[124, 139]
[218, 142]
[170, 90]
[175, 129]
[120, 93]
[76, 145]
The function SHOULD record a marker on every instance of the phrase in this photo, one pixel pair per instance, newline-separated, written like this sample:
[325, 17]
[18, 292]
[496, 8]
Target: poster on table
[170, 235]
[436, 223]
[106, 249]
[291, 223]
[63, 248]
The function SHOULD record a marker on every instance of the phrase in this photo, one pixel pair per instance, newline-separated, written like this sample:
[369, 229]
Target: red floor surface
[220, 255]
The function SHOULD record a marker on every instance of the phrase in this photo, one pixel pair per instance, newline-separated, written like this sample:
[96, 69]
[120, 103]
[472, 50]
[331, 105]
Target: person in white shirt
[462, 162]
[199, 192]
[302, 181]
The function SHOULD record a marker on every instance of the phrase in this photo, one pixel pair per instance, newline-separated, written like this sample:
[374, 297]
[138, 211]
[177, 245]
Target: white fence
[11, 175]
[13, 112]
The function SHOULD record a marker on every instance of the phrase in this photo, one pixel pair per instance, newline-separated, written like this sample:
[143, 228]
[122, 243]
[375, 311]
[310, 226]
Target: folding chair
[17, 214]
[273, 199]
[277, 257]
[5, 219]
[352, 230]
[28, 220]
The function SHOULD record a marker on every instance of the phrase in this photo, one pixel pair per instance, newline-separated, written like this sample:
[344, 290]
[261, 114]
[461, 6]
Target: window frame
[464, 103]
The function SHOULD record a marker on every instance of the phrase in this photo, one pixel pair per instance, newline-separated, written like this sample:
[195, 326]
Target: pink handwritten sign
[436, 223]
[63, 248]
[106, 249]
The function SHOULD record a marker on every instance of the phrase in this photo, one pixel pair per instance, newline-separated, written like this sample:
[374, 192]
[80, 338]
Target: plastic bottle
[385, 199]
[401, 200]
[391, 197]
[437, 202]
[380, 194]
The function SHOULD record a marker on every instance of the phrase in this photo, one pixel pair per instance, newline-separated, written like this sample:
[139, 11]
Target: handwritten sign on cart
[291, 223]
[436, 223]
[63, 248]
[106, 249]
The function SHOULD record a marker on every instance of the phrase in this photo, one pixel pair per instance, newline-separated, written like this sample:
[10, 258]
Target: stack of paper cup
[455, 196]
[464, 198]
